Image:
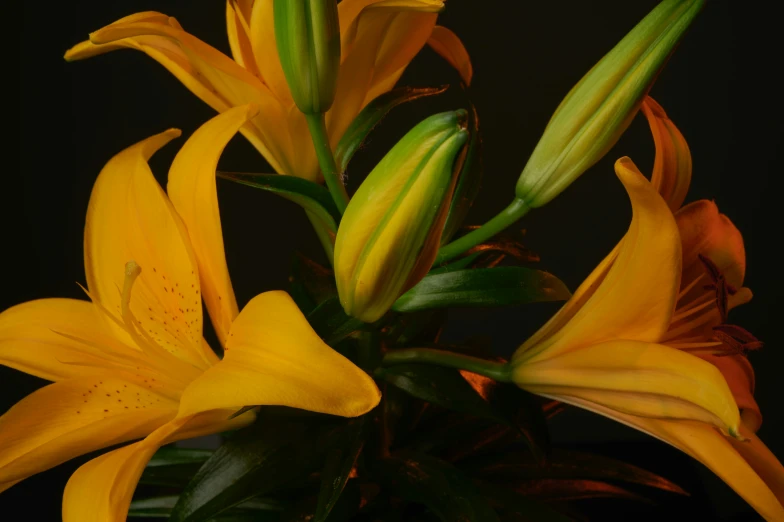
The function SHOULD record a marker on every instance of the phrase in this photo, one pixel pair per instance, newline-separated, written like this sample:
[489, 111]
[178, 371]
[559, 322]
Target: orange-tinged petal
[238, 29]
[763, 461]
[636, 378]
[192, 190]
[265, 50]
[273, 357]
[76, 416]
[636, 298]
[447, 44]
[129, 218]
[59, 339]
[378, 40]
[739, 375]
[705, 231]
[407, 33]
[754, 473]
[672, 164]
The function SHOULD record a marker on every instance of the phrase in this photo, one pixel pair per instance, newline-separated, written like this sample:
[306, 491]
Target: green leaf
[441, 386]
[272, 453]
[340, 461]
[482, 398]
[369, 117]
[172, 466]
[331, 323]
[161, 507]
[308, 195]
[441, 487]
[571, 464]
[170, 455]
[500, 286]
[468, 181]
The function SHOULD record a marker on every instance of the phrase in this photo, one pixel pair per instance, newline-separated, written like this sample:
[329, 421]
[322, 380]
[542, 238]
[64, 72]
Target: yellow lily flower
[133, 363]
[636, 342]
[378, 40]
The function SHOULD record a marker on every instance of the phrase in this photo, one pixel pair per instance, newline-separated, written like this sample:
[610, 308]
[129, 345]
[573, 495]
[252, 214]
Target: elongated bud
[390, 233]
[592, 117]
[308, 39]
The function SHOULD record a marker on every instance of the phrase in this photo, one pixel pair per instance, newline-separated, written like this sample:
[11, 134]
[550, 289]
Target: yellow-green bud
[308, 39]
[391, 231]
[592, 117]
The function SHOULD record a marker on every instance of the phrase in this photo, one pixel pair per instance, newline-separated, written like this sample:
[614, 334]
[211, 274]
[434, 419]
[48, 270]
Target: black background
[720, 88]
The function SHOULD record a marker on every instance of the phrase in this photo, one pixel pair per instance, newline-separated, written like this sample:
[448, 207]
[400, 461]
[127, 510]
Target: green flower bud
[592, 117]
[391, 231]
[308, 40]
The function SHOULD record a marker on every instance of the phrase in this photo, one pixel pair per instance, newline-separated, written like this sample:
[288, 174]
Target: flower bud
[308, 39]
[592, 117]
[390, 234]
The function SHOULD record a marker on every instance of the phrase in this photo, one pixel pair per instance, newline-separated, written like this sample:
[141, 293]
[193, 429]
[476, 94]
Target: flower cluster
[644, 340]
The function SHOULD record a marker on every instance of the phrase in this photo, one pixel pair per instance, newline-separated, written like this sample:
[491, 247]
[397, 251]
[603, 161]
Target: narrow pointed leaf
[369, 117]
[258, 460]
[160, 507]
[449, 389]
[171, 466]
[444, 489]
[443, 387]
[308, 195]
[500, 286]
[571, 464]
[331, 323]
[339, 463]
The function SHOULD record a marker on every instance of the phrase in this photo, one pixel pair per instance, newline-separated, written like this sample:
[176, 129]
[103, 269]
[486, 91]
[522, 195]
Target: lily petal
[704, 230]
[739, 374]
[208, 73]
[636, 378]
[76, 416]
[265, 50]
[378, 40]
[448, 45]
[632, 299]
[193, 193]
[129, 218]
[672, 164]
[273, 357]
[102, 489]
[762, 490]
[59, 339]
[238, 28]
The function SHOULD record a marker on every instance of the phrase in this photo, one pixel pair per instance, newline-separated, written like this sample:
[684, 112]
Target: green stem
[324, 236]
[318, 131]
[505, 218]
[494, 370]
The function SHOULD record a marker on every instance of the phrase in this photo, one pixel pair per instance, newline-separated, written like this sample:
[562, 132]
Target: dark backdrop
[720, 88]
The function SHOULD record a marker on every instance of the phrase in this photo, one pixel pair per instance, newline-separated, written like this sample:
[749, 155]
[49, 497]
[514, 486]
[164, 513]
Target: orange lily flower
[132, 364]
[670, 282]
[379, 38]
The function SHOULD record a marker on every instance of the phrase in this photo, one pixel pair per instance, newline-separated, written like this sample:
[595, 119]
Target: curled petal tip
[251, 111]
[172, 133]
